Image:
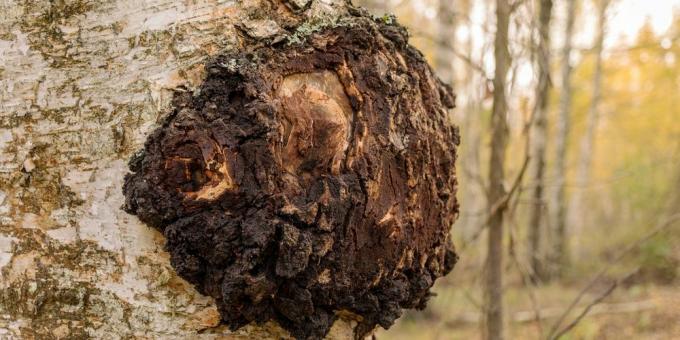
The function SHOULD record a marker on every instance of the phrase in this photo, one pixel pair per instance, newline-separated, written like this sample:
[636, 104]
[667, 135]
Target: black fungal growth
[309, 180]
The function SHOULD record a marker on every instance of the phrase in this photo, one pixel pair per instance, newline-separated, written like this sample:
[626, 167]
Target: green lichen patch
[315, 25]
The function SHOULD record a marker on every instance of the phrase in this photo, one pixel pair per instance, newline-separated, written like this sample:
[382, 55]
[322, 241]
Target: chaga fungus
[303, 181]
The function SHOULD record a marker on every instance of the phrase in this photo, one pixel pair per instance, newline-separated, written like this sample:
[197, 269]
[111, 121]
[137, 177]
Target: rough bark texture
[82, 84]
[306, 179]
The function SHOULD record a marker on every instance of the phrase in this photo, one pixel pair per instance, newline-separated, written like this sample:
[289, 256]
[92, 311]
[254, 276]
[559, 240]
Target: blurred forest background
[569, 167]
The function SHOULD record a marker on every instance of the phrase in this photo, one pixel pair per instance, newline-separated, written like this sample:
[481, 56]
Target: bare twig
[551, 312]
[500, 204]
[476, 177]
[599, 309]
[526, 282]
[595, 301]
[524, 273]
[505, 200]
[660, 227]
[475, 303]
[447, 45]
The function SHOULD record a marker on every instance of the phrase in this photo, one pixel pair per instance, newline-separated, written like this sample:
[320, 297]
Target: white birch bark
[560, 247]
[81, 85]
[577, 206]
[537, 221]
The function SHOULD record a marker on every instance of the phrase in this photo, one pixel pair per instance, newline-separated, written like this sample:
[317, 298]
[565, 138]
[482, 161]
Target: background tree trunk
[560, 247]
[499, 141]
[471, 92]
[446, 32]
[81, 85]
[538, 143]
[588, 140]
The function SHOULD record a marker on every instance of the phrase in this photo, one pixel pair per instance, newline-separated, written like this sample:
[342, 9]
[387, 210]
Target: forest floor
[642, 311]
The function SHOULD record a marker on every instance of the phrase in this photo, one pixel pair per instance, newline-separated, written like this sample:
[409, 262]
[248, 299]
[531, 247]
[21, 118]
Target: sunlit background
[621, 184]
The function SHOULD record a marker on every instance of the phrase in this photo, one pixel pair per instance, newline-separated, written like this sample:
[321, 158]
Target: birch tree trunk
[560, 247]
[540, 134]
[499, 142]
[587, 145]
[81, 85]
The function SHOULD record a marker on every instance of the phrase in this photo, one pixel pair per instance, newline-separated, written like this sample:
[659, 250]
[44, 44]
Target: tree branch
[595, 301]
[660, 227]
[500, 204]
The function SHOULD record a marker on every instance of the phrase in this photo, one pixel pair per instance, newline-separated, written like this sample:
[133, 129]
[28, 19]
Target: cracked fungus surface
[308, 181]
